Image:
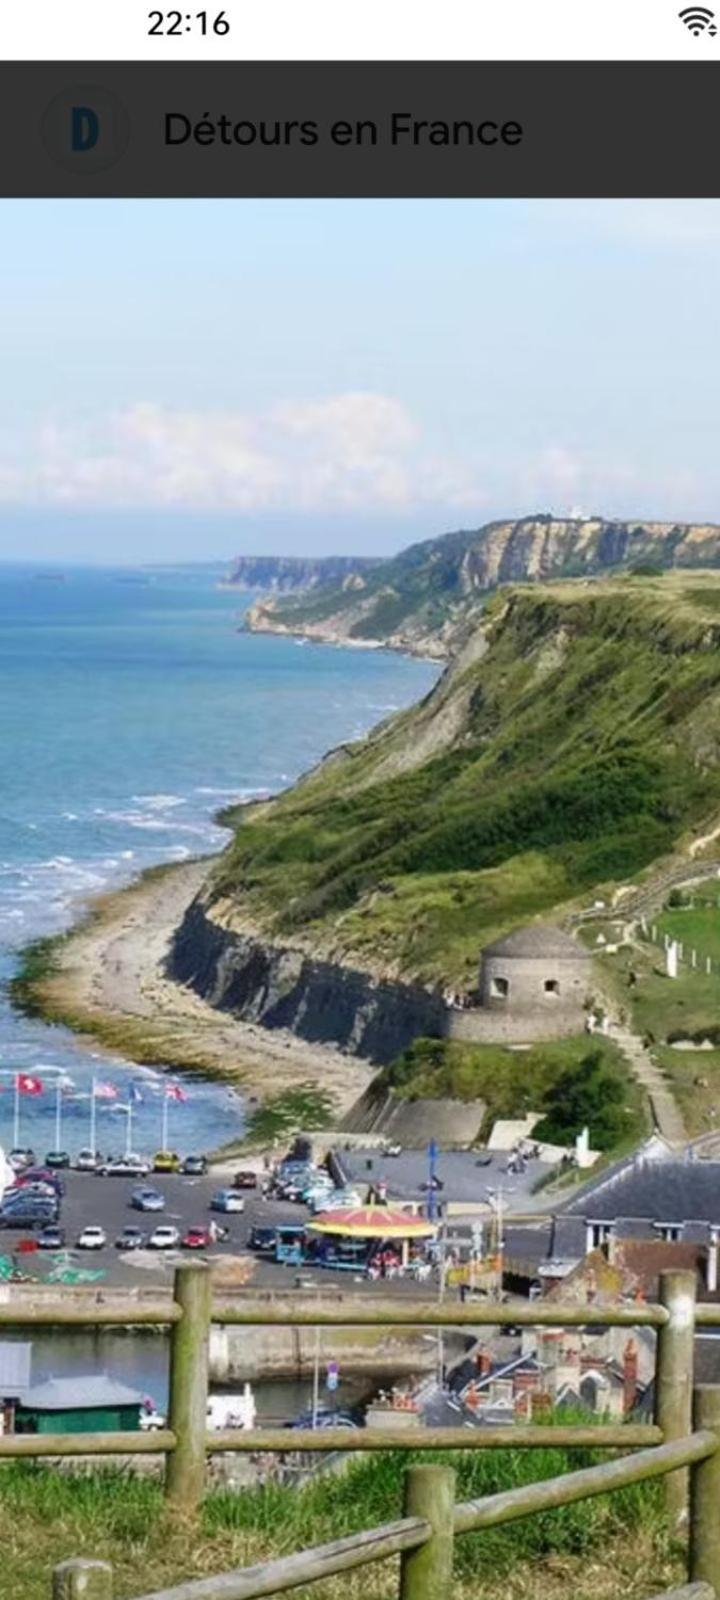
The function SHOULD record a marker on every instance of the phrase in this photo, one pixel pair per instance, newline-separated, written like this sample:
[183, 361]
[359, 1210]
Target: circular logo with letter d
[85, 129]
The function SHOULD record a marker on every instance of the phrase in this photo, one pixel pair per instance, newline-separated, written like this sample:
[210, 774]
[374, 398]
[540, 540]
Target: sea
[132, 708]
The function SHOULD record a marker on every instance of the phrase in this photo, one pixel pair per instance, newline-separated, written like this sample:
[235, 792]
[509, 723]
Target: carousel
[375, 1239]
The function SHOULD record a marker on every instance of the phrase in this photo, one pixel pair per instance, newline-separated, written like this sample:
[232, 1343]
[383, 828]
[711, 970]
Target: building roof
[15, 1363]
[677, 1189]
[537, 943]
[87, 1390]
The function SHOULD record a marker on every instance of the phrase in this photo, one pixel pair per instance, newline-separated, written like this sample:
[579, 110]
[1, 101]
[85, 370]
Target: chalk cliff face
[288, 574]
[427, 599]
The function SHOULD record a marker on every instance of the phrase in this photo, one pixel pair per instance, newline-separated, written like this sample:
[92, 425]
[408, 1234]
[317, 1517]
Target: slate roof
[536, 943]
[75, 1394]
[671, 1190]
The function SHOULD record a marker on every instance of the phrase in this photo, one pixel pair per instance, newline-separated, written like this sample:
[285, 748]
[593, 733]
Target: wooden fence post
[187, 1411]
[426, 1574]
[82, 1580]
[704, 1553]
[673, 1376]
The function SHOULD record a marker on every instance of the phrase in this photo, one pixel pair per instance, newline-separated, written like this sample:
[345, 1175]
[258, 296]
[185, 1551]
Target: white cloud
[346, 452]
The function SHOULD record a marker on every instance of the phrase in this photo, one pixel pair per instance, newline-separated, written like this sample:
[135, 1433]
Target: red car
[245, 1180]
[197, 1239]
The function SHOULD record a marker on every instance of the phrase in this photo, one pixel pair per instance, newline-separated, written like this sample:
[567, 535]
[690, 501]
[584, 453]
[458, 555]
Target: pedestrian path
[666, 1112]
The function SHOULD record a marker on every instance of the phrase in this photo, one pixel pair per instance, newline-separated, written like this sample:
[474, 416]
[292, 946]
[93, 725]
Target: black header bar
[363, 129]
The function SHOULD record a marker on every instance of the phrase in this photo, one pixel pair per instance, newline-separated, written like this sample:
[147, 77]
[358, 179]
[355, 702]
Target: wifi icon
[698, 20]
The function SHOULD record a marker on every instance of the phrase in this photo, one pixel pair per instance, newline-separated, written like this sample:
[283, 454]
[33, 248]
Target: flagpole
[16, 1116]
[164, 1141]
[58, 1113]
[93, 1115]
[128, 1137]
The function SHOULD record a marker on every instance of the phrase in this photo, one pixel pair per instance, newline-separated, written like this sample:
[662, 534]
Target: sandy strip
[110, 984]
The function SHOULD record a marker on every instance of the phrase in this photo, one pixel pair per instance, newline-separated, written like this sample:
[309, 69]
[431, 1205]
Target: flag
[105, 1091]
[134, 1095]
[174, 1092]
[27, 1084]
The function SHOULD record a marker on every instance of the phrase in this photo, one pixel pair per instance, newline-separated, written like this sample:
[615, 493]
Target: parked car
[87, 1160]
[337, 1200]
[245, 1179]
[166, 1237]
[324, 1418]
[393, 1150]
[316, 1190]
[32, 1211]
[197, 1239]
[194, 1166]
[51, 1238]
[57, 1158]
[263, 1238]
[127, 1166]
[227, 1200]
[20, 1158]
[33, 1176]
[92, 1238]
[166, 1161]
[152, 1422]
[130, 1238]
[146, 1199]
[35, 1191]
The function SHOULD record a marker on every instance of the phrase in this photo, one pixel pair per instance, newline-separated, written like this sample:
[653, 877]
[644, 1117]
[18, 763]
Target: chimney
[630, 1376]
[711, 1269]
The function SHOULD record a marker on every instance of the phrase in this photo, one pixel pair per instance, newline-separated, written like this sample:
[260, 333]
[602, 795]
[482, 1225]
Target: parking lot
[90, 1199]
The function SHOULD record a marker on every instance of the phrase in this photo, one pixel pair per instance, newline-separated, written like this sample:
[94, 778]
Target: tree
[590, 1095]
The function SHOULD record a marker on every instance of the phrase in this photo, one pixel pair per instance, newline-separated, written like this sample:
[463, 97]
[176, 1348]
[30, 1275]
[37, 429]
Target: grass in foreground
[604, 1549]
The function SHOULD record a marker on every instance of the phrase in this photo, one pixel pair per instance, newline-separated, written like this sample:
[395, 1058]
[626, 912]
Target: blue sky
[188, 379]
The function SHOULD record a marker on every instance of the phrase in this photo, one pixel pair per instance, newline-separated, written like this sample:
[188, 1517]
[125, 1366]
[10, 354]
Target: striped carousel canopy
[373, 1222]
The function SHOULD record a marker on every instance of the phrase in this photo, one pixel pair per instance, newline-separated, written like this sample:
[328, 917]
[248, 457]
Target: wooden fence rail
[424, 1537]
[192, 1311]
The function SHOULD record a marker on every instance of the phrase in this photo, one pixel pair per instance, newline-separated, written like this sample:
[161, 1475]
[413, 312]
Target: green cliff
[426, 599]
[571, 743]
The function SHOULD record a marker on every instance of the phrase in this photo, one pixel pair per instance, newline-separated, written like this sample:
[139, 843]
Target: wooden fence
[682, 1444]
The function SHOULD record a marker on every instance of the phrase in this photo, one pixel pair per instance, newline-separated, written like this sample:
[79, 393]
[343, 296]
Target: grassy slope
[605, 1548]
[510, 1082]
[576, 751]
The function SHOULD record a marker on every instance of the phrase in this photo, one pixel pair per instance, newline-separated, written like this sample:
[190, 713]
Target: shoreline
[103, 979]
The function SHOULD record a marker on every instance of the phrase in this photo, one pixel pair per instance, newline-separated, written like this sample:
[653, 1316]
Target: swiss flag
[28, 1085]
[174, 1092]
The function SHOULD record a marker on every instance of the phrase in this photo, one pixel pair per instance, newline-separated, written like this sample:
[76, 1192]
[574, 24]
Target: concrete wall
[496, 1026]
[454, 1123]
[238, 1355]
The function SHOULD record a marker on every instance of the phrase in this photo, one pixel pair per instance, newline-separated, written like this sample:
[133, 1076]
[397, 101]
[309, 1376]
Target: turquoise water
[131, 708]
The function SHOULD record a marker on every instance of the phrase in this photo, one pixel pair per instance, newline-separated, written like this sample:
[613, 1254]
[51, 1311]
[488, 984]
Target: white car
[86, 1161]
[165, 1237]
[152, 1421]
[92, 1239]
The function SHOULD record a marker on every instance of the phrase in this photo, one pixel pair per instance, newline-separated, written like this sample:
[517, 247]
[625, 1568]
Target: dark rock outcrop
[279, 987]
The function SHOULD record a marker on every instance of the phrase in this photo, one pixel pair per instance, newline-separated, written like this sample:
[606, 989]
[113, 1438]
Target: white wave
[159, 802]
[231, 794]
